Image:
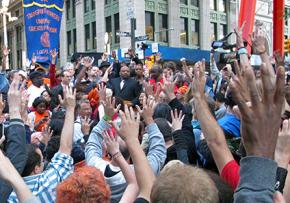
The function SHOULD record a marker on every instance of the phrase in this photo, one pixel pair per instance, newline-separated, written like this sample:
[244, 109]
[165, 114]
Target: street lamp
[5, 13]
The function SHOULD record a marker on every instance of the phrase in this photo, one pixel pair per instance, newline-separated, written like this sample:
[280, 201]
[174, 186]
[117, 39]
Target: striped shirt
[44, 184]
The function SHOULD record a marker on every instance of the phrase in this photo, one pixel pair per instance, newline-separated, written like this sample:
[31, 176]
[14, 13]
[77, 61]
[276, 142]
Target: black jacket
[130, 91]
[15, 151]
[58, 90]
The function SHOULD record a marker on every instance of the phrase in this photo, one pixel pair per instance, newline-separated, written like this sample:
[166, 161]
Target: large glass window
[149, 23]
[68, 9]
[183, 2]
[94, 31]
[75, 40]
[86, 5]
[87, 36]
[109, 26]
[69, 43]
[213, 29]
[222, 5]
[183, 30]
[194, 3]
[195, 32]
[163, 26]
[74, 8]
[213, 5]
[93, 5]
[117, 27]
[222, 31]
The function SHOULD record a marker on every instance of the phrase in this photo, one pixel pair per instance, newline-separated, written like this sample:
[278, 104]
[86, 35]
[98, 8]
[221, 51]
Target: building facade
[176, 23]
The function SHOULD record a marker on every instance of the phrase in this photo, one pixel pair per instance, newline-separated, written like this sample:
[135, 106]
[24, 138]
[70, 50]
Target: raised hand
[239, 35]
[261, 121]
[53, 54]
[102, 92]
[282, 152]
[147, 110]
[33, 59]
[111, 142]
[168, 88]
[199, 80]
[177, 120]
[86, 125]
[46, 135]
[259, 42]
[129, 128]
[14, 95]
[109, 107]
[87, 61]
[69, 95]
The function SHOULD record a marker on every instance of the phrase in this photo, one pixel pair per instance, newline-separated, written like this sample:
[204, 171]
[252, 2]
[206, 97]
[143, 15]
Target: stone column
[204, 25]
[100, 24]
[174, 22]
[80, 27]
[63, 38]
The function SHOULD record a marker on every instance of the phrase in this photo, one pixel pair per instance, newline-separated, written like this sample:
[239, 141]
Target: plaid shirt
[44, 184]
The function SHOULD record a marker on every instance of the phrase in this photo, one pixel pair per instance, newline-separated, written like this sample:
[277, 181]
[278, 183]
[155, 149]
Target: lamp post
[5, 14]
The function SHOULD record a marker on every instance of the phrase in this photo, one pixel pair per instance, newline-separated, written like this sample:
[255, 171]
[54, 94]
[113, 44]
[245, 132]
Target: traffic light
[287, 46]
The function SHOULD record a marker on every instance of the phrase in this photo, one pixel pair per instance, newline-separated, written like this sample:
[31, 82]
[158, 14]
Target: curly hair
[85, 185]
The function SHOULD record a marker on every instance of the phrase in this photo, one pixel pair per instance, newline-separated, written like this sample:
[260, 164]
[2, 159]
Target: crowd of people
[117, 133]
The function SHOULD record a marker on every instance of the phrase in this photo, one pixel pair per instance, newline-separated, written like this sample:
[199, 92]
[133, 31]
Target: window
[183, 2]
[194, 3]
[87, 36]
[75, 40]
[93, 6]
[213, 5]
[195, 32]
[74, 8]
[149, 25]
[94, 35]
[183, 30]
[163, 26]
[107, 2]
[19, 46]
[68, 9]
[222, 5]
[69, 43]
[213, 29]
[222, 31]
[109, 26]
[117, 27]
[86, 6]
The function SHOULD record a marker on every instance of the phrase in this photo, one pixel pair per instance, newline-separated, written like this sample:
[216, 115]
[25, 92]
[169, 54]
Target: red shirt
[231, 173]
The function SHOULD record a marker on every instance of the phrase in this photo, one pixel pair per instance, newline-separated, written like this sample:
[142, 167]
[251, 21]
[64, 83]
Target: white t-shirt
[33, 93]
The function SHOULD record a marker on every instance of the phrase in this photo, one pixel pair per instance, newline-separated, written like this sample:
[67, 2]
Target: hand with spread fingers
[111, 142]
[282, 152]
[147, 110]
[260, 122]
[259, 42]
[129, 128]
[109, 107]
[168, 88]
[239, 35]
[46, 135]
[86, 125]
[14, 94]
[69, 97]
[177, 119]
[102, 92]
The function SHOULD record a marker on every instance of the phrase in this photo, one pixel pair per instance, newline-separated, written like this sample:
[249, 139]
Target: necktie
[122, 84]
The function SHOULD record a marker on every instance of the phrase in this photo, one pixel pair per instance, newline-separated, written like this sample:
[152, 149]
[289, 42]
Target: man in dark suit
[125, 87]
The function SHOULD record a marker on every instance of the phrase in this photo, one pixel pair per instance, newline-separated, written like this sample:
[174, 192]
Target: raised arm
[213, 133]
[66, 138]
[12, 177]
[132, 189]
[87, 62]
[52, 74]
[129, 132]
[15, 146]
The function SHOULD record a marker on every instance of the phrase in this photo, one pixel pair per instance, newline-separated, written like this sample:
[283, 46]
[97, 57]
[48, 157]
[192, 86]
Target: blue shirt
[43, 185]
[230, 124]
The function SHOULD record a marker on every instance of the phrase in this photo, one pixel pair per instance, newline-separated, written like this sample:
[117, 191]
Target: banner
[42, 27]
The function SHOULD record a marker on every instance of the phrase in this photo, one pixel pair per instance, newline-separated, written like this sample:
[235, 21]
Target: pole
[133, 27]
[5, 37]
[278, 26]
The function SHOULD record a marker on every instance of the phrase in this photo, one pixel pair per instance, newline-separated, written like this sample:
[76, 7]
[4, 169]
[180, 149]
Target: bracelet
[107, 118]
[116, 155]
[242, 51]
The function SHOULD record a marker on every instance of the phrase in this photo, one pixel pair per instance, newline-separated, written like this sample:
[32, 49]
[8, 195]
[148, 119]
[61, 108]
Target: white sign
[123, 34]
[154, 47]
